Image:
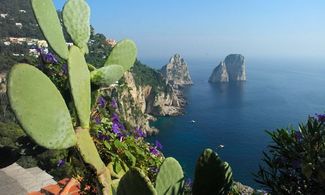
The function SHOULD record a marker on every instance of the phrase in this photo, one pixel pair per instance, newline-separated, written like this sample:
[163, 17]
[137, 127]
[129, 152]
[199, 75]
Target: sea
[232, 118]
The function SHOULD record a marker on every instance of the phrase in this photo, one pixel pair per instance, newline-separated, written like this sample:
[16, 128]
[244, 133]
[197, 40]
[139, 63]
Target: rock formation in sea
[176, 72]
[233, 68]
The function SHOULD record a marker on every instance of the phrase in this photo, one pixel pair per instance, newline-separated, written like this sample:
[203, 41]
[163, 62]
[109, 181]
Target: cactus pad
[135, 182]
[170, 174]
[212, 175]
[79, 78]
[76, 18]
[88, 149]
[107, 75]
[40, 108]
[124, 53]
[49, 23]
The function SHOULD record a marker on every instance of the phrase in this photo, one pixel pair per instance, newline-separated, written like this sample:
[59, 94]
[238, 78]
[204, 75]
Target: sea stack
[233, 68]
[176, 72]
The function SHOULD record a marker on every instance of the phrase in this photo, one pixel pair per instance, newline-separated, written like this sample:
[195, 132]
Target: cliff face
[176, 71]
[233, 68]
[139, 104]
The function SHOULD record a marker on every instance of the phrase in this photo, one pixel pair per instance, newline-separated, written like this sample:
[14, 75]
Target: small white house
[19, 25]
[3, 15]
[42, 43]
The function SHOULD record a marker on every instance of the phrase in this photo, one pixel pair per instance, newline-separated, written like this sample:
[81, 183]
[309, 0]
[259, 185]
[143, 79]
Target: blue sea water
[278, 93]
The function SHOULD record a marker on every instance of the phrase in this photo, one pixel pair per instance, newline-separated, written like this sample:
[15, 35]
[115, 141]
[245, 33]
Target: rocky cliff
[141, 99]
[176, 72]
[233, 68]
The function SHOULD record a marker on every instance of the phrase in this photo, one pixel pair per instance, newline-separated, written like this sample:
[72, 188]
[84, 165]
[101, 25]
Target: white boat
[221, 146]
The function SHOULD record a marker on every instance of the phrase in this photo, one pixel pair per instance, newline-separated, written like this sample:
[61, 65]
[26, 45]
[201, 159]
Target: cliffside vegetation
[143, 75]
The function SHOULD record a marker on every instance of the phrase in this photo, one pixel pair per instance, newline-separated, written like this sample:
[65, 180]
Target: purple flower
[61, 163]
[153, 170]
[101, 136]
[115, 128]
[139, 133]
[113, 103]
[49, 58]
[65, 69]
[40, 50]
[298, 136]
[115, 118]
[159, 145]
[189, 182]
[154, 151]
[101, 102]
[97, 119]
[321, 117]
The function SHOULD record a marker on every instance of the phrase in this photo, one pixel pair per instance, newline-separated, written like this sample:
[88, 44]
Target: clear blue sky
[210, 28]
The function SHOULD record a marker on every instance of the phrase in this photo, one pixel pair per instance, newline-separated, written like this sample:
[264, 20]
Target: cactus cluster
[169, 181]
[38, 104]
[212, 176]
[45, 117]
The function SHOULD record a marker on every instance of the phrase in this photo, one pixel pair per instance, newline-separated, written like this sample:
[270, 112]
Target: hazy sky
[210, 28]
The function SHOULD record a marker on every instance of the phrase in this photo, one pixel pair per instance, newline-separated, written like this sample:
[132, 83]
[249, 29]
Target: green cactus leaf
[79, 78]
[124, 53]
[115, 184]
[40, 108]
[107, 75]
[176, 189]
[50, 25]
[135, 182]
[88, 149]
[91, 67]
[212, 175]
[76, 18]
[170, 174]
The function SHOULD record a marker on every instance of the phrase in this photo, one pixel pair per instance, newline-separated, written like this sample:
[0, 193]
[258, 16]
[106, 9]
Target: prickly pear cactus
[169, 176]
[47, 18]
[107, 75]
[40, 108]
[79, 78]
[212, 175]
[76, 18]
[124, 53]
[135, 182]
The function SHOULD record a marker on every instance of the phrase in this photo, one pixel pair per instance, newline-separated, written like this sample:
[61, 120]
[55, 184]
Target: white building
[19, 25]
[3, 15]
[42, 44]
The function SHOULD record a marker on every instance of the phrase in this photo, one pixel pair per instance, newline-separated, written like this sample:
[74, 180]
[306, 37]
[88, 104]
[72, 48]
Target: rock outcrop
[140, 104]
[233, 68]
[176, 72]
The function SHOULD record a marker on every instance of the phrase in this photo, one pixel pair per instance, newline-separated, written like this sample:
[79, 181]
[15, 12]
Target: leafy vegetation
[295, 161]
[143, 75]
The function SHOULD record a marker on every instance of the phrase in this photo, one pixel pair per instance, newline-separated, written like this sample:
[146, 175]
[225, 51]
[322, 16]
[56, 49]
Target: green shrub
[9, 134]
[295, 161]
